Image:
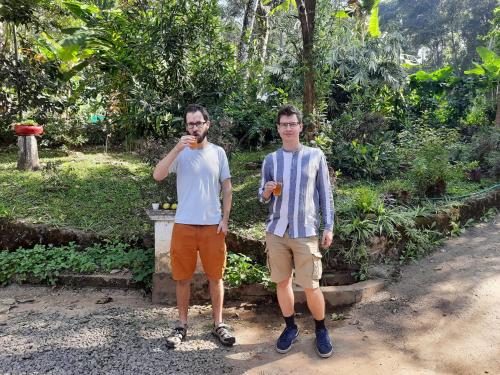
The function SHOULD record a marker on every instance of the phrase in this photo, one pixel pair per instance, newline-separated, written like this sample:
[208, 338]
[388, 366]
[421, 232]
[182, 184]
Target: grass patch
[103, 193]
[108, 193]
[247, 214]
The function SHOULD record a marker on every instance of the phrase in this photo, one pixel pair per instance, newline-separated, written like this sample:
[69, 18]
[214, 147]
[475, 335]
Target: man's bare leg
[217, 297]
[315, 302]
[286, 298]
[183, 292]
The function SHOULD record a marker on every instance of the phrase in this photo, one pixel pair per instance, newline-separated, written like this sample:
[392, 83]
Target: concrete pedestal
[163, 285]
[28, 153]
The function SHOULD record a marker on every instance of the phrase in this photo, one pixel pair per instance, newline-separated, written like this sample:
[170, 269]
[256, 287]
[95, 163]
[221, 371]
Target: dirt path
[443, 317]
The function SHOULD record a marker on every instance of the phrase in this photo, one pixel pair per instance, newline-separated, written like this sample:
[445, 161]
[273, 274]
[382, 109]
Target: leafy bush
[396, 191]
[417, 135]
[220, 133]
[426, 153]
[46, 263]
[241, 270]
[253, 119]
[439, 98]
[69, 134]
[480, 113]
[365, 216]
[363, 146]
[430, 170]
[365, 200]
[485, 148]
[152, 150]
[419, 242]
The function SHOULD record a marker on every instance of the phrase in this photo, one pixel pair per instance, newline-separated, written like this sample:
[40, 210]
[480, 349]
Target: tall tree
[262, 32]
[307, 13]
[247, 30]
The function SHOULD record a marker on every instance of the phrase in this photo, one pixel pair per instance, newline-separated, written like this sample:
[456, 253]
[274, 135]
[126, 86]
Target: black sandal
[176, 337]
[225, 337]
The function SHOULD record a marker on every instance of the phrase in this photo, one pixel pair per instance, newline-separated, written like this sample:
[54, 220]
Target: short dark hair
[289, 110]
[192, 108]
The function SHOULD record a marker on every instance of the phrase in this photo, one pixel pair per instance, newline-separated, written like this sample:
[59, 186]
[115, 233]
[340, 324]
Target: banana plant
[77, 49]
[366, 12]
[490, 69]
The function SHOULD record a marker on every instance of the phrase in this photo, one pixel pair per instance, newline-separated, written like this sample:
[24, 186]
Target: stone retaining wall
[15, 234]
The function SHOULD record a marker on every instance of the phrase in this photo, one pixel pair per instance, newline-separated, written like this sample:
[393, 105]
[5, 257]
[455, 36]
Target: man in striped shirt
[296, 185]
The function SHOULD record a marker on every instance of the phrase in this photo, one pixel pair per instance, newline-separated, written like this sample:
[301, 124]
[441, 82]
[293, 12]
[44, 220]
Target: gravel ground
[37, 337]
[441, 317]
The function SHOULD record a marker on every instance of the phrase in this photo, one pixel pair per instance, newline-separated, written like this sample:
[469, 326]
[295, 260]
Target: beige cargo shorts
[285, 254]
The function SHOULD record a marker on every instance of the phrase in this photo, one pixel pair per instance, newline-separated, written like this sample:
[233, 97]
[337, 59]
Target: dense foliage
[397, 92]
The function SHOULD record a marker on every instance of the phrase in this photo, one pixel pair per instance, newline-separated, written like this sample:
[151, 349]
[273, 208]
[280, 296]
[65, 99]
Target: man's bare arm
[227, 200]
[161, 169]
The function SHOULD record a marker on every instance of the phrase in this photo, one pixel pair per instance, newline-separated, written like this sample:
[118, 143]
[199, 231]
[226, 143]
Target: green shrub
[46, 263]
[363, 147]
[152, 150]
[417, 135]
[419, 242]
[365, 200]
[397, 191]
[241, 270]
[485, 148]
[480, 112]
[358, 227]
[252, 118]
[430, 170]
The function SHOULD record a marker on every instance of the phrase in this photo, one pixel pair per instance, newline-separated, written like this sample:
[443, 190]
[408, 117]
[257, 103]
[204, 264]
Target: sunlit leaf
[488, 56]
[478, 70]
[373, 26]
[341, 14]
[284, 6]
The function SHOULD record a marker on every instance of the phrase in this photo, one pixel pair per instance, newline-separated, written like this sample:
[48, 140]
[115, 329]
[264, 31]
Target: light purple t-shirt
[200, 173]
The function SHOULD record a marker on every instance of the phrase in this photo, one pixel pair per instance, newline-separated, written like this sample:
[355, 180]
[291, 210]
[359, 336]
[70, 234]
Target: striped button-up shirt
[306, 190]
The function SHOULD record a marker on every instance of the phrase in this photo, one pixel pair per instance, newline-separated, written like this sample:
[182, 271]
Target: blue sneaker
[323, 344]
[287, 338]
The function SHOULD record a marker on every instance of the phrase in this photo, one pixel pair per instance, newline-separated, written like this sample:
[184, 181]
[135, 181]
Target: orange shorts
[187, 241]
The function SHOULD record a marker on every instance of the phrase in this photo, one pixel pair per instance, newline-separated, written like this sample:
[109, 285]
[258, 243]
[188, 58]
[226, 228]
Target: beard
[201, 137]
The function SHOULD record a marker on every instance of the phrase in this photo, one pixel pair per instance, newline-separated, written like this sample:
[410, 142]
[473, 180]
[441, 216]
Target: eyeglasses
[291, 125]
[198, 125]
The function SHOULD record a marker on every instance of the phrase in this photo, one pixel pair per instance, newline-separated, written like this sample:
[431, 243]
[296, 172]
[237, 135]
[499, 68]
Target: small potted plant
[27, 127]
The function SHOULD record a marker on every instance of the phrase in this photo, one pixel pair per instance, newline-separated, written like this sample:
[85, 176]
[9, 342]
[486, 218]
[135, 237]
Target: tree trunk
[307, 10]
[247, 30]
[18, 88]
[262, 32]
[497, 117]
[16, 56]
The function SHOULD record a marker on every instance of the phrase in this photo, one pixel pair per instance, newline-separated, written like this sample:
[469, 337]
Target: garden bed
[96, 198]
[15, 234]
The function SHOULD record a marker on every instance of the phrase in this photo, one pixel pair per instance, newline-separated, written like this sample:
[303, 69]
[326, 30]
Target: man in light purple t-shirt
[200, 225]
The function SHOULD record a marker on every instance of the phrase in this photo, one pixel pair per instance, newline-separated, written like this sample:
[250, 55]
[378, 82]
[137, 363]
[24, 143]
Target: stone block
[163, 288]
[344, 294]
